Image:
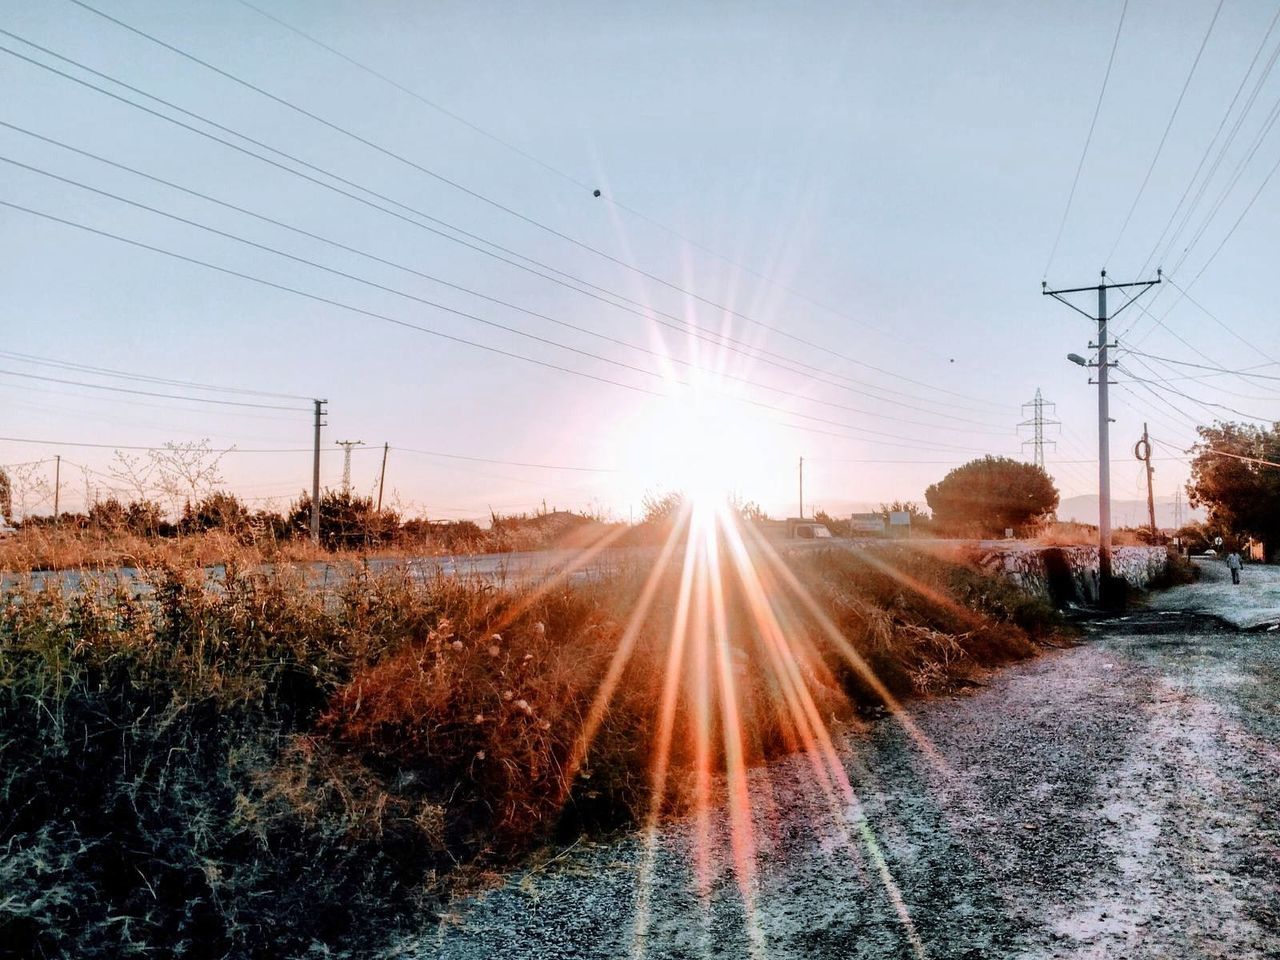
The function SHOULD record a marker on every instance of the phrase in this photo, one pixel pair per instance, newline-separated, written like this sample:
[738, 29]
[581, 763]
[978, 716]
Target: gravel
[1114, 799]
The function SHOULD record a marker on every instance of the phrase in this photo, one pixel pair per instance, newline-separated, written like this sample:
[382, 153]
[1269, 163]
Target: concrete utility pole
[382, 475]
[57, 483]
[1103, 365]
[346, 446]
[1038, 423]
[315, 475]
[1142, 450]
[802, 488]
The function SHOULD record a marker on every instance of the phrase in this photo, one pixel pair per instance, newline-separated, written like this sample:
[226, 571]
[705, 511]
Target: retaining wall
[1066, 575]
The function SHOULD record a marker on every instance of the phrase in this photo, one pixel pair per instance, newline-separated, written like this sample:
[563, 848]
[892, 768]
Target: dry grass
[70, 548]
[254, 769]
[84, 546]
[1065, 533]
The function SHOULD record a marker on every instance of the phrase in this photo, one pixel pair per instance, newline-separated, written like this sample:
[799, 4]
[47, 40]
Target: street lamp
[1078, 360]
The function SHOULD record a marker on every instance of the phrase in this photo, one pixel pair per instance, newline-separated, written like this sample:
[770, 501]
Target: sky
[822, 233]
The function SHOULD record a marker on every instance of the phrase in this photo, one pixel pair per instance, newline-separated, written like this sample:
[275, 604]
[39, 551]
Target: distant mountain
[1126, 513]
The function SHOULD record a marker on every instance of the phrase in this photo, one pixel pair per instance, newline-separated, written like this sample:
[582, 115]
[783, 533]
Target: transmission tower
[346, 446]
[1038, 423]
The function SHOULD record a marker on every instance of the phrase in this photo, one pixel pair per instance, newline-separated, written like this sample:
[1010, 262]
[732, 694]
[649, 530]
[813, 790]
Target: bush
[260, 769]
[217, 511]
[347, 521]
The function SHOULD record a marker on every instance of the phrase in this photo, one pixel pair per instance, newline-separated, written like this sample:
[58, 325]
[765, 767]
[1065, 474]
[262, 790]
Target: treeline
[347, 521]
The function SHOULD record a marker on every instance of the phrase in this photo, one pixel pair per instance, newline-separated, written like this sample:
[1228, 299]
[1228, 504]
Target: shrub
[258, 768]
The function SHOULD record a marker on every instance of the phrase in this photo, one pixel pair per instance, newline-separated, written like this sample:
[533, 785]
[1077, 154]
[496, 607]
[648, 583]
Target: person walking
[1234, 564]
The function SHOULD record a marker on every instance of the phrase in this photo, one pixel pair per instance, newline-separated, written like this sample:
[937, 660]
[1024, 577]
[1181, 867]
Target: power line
[461, 340]
[144, 378]
[1233, 180]
[1234, 456]
[1162, 385]
[411, 270]
[1075, 180]
[1225, 326]
[475, 194]
[321, 299]
[567, 177]
[1202, 366]
[506, 463]
[319, 266]
[144, 393]
[1214, 139]
[554, 275]
[125, 446]
[1164, 137]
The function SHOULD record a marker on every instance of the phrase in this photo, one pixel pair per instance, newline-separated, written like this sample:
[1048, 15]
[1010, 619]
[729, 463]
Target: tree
[346, 520]
[985, 497]
[1242, 495]
[6, 497]
[184, 472]
[217, 511]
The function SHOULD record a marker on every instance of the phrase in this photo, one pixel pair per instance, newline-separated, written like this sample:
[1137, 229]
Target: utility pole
[1177, 509]
[1103, 365]
[1038, 423]
[346, 446]
[1142, 450]
[315, 475]
[382, 475]
[57, 483]
[802, 488]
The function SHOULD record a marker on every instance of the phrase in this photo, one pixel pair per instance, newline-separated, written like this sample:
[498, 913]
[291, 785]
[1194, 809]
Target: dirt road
[1120, 798]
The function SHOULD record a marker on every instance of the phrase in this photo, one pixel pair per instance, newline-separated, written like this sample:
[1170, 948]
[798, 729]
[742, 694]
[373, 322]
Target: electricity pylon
[346, 446]
[1038, 423]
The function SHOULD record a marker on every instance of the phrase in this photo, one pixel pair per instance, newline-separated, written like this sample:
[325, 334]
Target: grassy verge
[262, 771]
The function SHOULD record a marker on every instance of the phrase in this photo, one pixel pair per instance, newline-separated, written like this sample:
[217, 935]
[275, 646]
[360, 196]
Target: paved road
[1114, 799]
[530, 566]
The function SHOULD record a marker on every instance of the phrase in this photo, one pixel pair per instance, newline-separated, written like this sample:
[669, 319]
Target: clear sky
[897, 172]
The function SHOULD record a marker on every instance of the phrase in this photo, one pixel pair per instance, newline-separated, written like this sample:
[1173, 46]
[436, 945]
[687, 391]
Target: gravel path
[1115, 799]
[1254, 602]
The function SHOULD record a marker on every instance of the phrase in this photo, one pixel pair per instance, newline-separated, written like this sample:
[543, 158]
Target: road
[1113, 799]
[525, 567]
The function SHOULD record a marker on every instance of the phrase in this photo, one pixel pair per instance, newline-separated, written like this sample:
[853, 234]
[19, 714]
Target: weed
[249, 767]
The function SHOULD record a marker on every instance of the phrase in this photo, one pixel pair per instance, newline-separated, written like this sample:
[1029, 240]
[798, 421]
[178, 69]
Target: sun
[704, 445]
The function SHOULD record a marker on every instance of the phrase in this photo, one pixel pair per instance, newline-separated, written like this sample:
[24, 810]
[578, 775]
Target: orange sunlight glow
[739, 613]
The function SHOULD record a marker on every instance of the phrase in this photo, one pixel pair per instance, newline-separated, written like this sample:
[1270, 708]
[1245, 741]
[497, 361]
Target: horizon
[881, 180]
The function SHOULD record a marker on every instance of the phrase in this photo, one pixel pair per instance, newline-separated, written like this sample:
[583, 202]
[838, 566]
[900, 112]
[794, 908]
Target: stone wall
[1067, 575]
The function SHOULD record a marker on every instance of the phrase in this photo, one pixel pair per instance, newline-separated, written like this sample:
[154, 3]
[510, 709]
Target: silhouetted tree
[346, 520]
[984, 497]
[217, 511]
[1242, 495]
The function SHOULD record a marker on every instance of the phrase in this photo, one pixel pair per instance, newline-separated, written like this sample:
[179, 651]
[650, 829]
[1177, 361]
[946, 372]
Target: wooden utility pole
[802, 488]
[57, 483]
[315, 475]
[1142, 450]
[382, 476]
